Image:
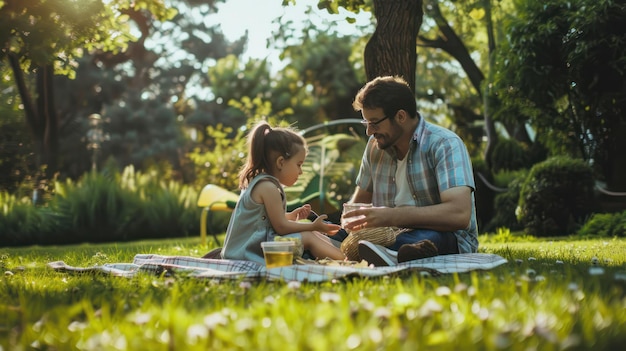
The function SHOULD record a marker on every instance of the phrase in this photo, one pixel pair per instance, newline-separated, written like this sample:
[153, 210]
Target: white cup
[349, 207]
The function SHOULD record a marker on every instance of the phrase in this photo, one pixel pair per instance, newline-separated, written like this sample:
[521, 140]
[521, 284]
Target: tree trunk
[49, 125]
[42, 122]
[615, 169]
[490, 128]
[391, 49]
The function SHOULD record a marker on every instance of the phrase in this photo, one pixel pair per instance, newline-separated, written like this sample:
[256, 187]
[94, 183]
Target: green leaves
[46, 31]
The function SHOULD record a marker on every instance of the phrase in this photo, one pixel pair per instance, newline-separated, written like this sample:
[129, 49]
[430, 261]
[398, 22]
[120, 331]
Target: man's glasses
[373, 125]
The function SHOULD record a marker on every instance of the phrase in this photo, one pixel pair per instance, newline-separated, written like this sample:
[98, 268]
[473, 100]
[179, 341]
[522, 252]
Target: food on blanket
[298, 249]
[278, 253]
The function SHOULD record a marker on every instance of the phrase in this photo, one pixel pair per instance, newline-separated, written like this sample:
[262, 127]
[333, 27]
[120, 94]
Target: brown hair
[265, 145]
[391, 93]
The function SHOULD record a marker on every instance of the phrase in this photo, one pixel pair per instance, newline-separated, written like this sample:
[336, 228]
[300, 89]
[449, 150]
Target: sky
[257, 16]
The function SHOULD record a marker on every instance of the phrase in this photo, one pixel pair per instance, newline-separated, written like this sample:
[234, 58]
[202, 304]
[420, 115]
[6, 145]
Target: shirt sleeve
[364, 178]
[454, 167]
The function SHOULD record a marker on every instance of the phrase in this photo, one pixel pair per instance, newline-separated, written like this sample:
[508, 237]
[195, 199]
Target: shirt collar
[419, 131]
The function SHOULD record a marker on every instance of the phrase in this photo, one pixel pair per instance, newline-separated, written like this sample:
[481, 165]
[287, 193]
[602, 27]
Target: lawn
[561, 294]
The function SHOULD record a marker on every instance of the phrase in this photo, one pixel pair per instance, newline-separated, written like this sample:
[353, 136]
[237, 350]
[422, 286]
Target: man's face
[383, 128]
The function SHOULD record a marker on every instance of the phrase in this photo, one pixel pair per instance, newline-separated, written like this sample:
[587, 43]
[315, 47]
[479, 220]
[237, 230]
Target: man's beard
[382, 142]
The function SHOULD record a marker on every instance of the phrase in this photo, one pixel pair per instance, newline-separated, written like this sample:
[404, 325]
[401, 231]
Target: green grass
[545, 298]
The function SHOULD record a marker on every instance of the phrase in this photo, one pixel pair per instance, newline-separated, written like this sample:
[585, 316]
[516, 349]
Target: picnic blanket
[222, 269]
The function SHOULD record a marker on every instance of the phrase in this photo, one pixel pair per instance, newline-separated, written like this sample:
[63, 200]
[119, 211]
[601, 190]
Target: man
[417, 175]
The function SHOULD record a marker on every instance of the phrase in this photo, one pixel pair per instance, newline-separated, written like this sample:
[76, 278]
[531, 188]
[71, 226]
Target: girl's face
[290, 169]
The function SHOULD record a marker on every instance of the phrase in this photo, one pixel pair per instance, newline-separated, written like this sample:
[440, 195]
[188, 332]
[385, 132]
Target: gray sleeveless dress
[249, 225]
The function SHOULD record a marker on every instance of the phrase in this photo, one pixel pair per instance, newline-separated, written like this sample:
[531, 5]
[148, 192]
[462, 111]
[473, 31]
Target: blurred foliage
[508, 154]
[562, 69]
[103, 207]
[605, 225]
[556, 197]
[506, 203]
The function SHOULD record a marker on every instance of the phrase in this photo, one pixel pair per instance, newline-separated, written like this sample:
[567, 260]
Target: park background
[116, 114]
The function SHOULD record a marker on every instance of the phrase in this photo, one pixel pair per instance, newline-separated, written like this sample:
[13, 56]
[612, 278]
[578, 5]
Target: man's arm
[361, 196]
[453, 213]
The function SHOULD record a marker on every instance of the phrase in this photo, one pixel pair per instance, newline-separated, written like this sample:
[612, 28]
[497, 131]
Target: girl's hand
[328, 228]
[302, 212]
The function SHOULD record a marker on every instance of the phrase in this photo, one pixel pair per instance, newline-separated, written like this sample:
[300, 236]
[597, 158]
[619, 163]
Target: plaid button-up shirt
[437, 160]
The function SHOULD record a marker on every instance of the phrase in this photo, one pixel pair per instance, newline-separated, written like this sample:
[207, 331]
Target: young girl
[275, 158]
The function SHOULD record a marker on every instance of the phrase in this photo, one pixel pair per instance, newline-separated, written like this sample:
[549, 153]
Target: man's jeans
[445, 241]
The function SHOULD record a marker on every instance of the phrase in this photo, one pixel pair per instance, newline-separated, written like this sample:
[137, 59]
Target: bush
[21, 223]
[168, 210]
[556, 196]
[505, 203]
[605, 225]
[508, 154]
[483, 194]
[94, 209]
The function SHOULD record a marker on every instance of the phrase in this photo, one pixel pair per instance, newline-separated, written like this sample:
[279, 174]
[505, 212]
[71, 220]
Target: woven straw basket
[384, 236]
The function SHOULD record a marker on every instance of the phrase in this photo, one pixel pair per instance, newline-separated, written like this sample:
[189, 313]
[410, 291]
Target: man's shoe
[377, 255]
[420, 249]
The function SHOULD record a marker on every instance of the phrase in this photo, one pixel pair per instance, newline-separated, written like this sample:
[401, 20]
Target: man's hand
[371, 217]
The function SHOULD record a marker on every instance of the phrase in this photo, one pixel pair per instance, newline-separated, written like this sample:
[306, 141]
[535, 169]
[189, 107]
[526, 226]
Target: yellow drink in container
[278, 253]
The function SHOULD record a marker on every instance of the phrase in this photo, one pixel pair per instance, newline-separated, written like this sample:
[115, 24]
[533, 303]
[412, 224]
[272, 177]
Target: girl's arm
[269, 195]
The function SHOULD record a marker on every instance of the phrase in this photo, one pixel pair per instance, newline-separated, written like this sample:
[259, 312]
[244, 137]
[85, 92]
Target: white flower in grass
[443, 291]
[214, 319]
[596, 271]
[330, 297]
[559, 262]
[572, 286]
[270, 300]
[245, 324]
[294, 285]
[353, 341]
[141, 318]
[403, 299]
[245, 285]
[460, 287]
[375, 335]
[196, 333]
[382, 313]
[366, 304]
[37, 326]
[429, 308]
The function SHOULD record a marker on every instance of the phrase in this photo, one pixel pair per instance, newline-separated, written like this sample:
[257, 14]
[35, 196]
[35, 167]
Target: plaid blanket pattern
[246, 270]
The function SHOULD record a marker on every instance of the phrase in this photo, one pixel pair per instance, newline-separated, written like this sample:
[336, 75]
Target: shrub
[94, 209]
[505, 203]
[483, 194]
[21, 223]
[109, 206]
[508, 154]
[556, 196]
[168, 210]
[605, 225]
